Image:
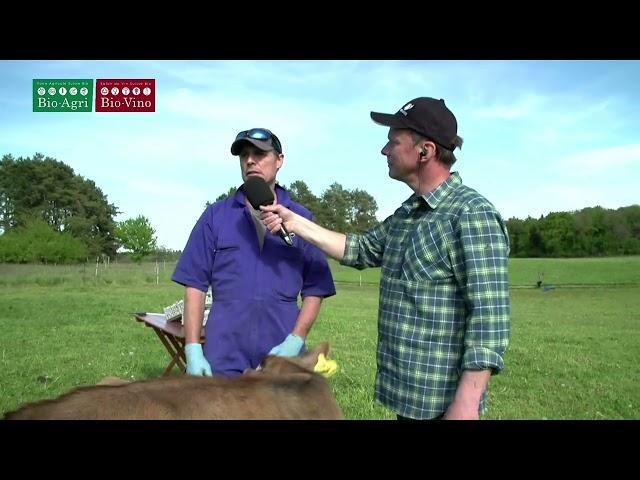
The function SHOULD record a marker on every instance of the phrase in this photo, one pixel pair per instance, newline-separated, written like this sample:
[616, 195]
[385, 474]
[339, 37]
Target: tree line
[590, 232]
[349, 211]
[50, 214]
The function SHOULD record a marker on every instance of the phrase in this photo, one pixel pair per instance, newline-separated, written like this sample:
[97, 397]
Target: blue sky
[539, 136]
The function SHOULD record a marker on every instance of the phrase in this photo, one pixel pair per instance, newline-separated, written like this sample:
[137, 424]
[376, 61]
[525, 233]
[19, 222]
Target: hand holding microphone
[259, 194]
[275, 216]
[332, 243]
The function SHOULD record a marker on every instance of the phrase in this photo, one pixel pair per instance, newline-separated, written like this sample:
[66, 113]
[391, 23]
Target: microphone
[258, 193]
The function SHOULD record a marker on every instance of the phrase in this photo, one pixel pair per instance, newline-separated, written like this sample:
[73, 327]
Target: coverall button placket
[253, 276]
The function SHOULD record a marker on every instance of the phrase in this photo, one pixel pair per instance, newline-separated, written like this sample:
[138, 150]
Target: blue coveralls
[254, 292]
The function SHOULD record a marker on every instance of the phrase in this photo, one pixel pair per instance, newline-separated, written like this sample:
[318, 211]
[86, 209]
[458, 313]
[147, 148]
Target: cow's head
[305, 363]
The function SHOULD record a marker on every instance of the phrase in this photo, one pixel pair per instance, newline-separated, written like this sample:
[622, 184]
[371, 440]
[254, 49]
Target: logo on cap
[404, 109]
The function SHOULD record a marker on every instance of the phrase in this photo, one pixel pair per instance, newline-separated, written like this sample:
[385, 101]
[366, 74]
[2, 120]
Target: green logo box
[62, 95]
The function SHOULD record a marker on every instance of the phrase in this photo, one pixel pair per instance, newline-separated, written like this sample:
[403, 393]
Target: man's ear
[425, 148]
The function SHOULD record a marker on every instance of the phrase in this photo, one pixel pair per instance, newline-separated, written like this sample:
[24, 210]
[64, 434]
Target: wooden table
[171, 334]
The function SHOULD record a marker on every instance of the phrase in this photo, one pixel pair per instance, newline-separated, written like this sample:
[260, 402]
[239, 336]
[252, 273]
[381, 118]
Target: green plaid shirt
[444, 296]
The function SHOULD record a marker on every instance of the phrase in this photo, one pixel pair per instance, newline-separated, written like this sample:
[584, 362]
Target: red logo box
[125, 95]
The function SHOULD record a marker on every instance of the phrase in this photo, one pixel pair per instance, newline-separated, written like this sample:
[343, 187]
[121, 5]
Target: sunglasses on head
[261, 134]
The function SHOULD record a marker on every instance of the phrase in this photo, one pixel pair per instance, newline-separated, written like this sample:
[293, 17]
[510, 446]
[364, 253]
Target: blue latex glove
[289, 348]
[196, 363]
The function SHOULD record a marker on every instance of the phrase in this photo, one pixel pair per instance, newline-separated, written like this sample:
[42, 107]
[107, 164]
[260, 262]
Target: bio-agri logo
[62, 95]
[125, 95]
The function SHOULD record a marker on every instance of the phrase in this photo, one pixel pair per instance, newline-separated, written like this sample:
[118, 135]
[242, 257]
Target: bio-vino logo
[125, 95]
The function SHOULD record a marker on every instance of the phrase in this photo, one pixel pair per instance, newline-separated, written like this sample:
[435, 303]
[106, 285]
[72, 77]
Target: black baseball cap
[425, 115]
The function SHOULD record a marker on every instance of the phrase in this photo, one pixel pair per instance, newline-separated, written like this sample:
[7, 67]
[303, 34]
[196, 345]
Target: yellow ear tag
[324, 367]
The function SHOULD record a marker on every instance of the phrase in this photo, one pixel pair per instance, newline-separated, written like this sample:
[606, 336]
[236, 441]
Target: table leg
[179, 346]
[176, 353]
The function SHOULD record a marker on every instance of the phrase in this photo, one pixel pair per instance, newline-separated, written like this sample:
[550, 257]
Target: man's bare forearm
[193, 314]
[466, 404]
[308, 314]
[330, 242]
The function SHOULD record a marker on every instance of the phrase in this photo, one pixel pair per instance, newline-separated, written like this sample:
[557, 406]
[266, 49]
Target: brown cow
[284, 388]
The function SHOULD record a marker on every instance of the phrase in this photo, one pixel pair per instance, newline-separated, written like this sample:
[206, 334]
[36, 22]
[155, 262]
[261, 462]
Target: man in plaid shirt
[444, 313]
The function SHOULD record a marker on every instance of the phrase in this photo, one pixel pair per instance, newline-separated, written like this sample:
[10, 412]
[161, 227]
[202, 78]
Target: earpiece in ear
[423, 153]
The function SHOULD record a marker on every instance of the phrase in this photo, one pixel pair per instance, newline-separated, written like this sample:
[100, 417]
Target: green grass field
[573, 352]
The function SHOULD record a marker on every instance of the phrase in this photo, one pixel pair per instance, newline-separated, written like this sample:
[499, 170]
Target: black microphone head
[258, 192]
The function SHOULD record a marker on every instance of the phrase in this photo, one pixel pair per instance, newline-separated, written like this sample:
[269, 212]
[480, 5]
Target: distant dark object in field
[548, 289]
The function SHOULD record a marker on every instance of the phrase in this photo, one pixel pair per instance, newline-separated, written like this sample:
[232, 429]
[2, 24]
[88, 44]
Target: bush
[37, 242]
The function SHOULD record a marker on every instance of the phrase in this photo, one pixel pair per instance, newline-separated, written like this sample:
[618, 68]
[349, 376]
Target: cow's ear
[323, 348]
[309, 359]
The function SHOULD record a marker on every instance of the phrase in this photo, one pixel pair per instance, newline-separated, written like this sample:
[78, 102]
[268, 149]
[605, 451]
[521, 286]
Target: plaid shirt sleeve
[366, 250]
[483, 277]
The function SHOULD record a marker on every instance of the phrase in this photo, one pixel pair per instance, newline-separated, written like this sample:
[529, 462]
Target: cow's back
[288, 396]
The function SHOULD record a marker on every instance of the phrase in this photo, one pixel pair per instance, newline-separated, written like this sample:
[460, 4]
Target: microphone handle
[285, 235]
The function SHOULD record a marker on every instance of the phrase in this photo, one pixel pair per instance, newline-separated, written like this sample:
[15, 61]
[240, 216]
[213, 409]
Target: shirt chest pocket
[287, 266]
[225, 257]
[426, 256]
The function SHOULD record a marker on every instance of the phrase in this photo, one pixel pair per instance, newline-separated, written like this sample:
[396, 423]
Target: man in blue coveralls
[255, 278]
